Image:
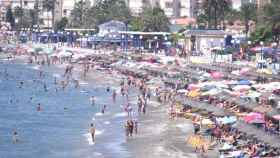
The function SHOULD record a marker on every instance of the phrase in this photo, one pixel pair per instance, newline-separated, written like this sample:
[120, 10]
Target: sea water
[61, 128]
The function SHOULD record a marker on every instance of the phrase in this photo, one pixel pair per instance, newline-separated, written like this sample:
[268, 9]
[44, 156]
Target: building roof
[183, 21]
[205, 33]
[112, 23]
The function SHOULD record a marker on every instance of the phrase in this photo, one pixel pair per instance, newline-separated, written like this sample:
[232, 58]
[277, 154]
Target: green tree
[136, 24]
[80, 14]
[106, 10]
[272, 18]
[10, 17]
[34, 17]
[154, 19]
[215, 11]
[19, 13]
[49, 6]
[248, 12]
[61, 24]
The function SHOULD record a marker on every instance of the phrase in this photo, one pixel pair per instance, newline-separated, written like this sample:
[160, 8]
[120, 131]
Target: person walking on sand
[131, 127]
[114, 96]
[92, 132]
[135, 126]
[126, 126]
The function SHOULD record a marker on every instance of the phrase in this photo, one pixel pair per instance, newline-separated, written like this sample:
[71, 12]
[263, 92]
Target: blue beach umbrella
[244, 82]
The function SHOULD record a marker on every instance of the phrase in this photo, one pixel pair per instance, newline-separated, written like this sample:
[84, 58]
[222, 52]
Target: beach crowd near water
[217, 106]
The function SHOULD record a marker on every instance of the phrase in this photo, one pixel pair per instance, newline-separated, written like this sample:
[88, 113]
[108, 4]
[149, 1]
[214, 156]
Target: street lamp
[156, 38]
[140, 41]
[262, 58]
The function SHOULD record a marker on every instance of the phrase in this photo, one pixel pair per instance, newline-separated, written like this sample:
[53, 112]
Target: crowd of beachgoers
[233, 106]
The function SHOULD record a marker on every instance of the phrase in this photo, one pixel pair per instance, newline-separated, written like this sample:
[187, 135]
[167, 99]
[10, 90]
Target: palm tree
[248, 12]
[272, 17]
[215, 11]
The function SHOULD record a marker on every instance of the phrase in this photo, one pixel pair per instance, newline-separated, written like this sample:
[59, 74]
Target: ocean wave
[98, 114]
[122, 114]
[107, 122]
[37, 67]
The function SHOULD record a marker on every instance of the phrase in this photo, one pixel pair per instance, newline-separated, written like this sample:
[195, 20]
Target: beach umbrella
[265, 71]
[182, 91]
[241, 87]
[207, 122]
[277, 117]
[38, 49]
[212, 92]
[193, 93]
[226, 146]
[196, 141]
[244, 82]
[244, 70]
[227, 120]
[253, 94]
[216, 75]
[254, 117]
[193, 87]
[65, 53]
[48, 51]
[208, 87]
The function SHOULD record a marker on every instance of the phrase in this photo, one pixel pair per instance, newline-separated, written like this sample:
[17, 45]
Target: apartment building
[260, 3]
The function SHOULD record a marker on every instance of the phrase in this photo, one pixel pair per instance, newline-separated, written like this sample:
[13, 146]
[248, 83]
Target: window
[65, 11]
[168, 5]
[25, 3]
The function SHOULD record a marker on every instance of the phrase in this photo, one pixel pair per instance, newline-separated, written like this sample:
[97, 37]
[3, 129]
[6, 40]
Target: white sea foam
[107, 122]
[37, 67]
[184, 127]
[98, 114]
[83, 83]
[83, 91]
[57, 75]
[97, 154]
[88, 136]
[122, 114]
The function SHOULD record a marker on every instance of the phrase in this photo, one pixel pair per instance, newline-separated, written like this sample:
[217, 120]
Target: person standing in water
[92, 132]
[103, 109]
[15, 137]
[20, 84]
[39, 107]
[92, 100]
[45, 87]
